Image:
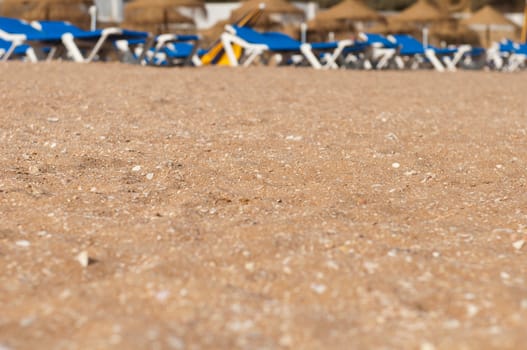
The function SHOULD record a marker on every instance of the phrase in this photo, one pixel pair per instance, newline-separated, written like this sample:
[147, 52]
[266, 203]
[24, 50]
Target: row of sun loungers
[46, 40]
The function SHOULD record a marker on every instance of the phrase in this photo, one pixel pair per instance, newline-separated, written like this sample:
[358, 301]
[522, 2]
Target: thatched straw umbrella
[349, 10]
[276, 12]
[343, 16]
[392, 27]
[16, 8]
[422, 13]
[489, 18]
[159, 16]
[212, 34]
[75, 11]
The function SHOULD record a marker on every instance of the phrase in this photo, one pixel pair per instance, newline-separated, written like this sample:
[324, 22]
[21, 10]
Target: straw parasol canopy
[16, 8]
[488, 17]
[272, 10]
[420, 12]
[342, 16]
[352, 10]
[392, 27]
[159, 16]
[75, 11]
[212, 34]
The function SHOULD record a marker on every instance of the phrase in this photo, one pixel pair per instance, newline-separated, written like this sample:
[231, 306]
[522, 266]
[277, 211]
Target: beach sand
[261, 208]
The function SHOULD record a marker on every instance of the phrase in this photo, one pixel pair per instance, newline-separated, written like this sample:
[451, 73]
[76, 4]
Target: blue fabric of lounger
[373, 38]
[278, 41]
[409, 45]
[286, 40]
[443, 50]
[19, 50]
[178, 50]
[17, 26]
[358, 46]
[476, 51]
[60, 28]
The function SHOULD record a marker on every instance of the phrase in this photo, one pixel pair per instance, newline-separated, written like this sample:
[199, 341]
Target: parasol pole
[303, 32]
[425, 36]
[93, 17]
[524, 28]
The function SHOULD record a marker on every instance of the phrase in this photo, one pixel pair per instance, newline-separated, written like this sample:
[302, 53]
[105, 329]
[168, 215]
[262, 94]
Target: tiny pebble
[249, 266]
[518, 244]
[294, 138]
[436, 254]
[136, 168]
[23, 243]
[392, 253]
[27, 321]
[149, 176]
[472, 310]
[318, 288]
[396, 165]
[175, 343]
[452, 324]
[285, 340]
[83, 258]
[427, 346]
[33, 170]
[370, 266]
[162, 295]
[332, 265]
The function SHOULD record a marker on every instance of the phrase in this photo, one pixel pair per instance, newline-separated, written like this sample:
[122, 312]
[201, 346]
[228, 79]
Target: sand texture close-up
[261, 208]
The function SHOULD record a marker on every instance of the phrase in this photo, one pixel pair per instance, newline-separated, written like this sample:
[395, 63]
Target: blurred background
[476, 22]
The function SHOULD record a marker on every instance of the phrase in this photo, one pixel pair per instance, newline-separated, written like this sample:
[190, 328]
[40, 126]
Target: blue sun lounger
[507, 55]
[164, 50]
[411, 48]
[75, 39]
[18, 33]
[255, 44]
[8, 50]
[370, 51]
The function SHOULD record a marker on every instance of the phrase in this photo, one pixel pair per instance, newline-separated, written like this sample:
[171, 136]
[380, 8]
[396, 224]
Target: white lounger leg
[399, 62]
[97, 47]
[227, 46]
[16, 41]
[461, 51]
[332, 58]
[69, 43]
[31, 55]
[310, 56]
[429, 53]
[449, 63]
[9, 52]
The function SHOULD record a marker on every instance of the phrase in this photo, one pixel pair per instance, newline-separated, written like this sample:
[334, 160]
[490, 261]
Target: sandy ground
[261, 208]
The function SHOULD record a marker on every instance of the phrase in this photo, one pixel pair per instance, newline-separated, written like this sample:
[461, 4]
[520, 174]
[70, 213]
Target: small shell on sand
[518, 244]
[83, 258]
[23, 243]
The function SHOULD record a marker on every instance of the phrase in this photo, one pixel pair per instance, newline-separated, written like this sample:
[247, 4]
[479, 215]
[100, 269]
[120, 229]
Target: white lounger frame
[16, 41]
[252, 51]
[68, 41]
